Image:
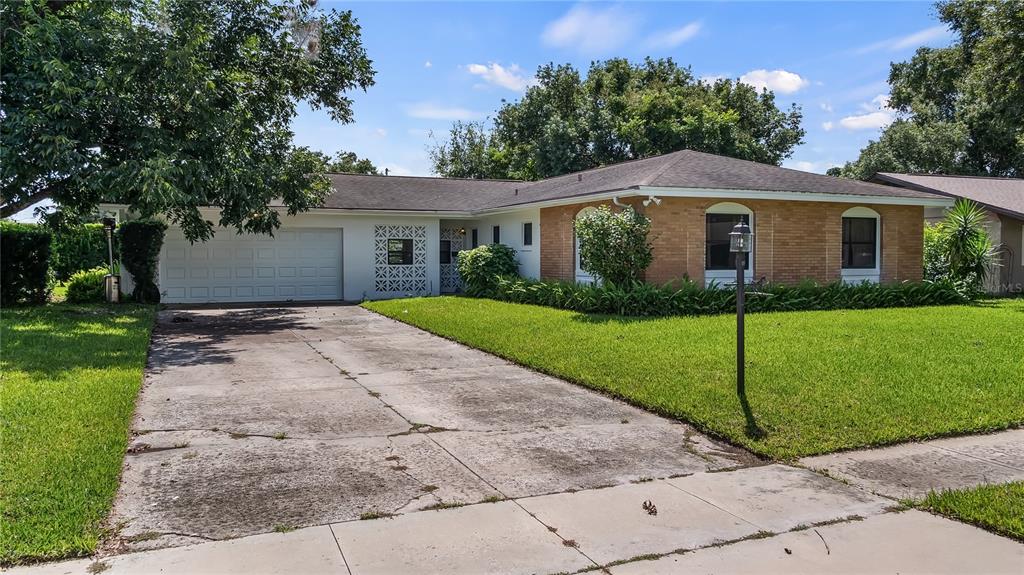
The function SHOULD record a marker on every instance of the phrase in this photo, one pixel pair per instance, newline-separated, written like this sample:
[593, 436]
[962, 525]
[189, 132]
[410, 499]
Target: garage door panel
[295, 264]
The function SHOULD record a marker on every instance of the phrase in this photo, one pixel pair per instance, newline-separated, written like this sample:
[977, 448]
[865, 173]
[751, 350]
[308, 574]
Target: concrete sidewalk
[741, 521]
[911, 470]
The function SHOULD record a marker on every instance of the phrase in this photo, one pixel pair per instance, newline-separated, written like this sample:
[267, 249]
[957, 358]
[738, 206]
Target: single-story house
[392, 236]
[1002, 198]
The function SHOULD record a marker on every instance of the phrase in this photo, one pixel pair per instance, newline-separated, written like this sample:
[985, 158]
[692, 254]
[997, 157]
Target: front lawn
[816, 381]
[998, 508]
[70, 377]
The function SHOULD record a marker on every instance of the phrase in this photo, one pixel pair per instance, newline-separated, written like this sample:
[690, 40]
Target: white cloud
[826, 107]
[869, 121]
[919, 38]
[673, 38]
[428, 64]
[433, 111]
[781, 81]
[877, 114]
[827, 126]
[510, 78]
[381, 132]
[591, 30]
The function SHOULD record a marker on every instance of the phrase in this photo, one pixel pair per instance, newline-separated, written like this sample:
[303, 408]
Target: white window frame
[728, 277]
[860, 275]
[522, 236]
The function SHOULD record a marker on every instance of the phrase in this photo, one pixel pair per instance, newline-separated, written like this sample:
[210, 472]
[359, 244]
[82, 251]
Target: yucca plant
[970, 252]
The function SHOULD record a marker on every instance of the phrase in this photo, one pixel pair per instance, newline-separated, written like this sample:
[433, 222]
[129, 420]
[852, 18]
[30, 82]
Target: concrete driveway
[264, 419]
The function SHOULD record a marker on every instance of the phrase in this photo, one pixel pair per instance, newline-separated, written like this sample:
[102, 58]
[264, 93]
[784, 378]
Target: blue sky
[439, 62]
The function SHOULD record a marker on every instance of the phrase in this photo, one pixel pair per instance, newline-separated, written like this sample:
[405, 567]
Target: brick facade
[793, 241]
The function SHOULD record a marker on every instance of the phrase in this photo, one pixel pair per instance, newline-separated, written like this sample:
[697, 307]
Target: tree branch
[11, 208]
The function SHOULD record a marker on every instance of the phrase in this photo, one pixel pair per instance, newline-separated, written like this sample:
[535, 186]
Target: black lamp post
[108, 225]
[740, 241]
[112, 284]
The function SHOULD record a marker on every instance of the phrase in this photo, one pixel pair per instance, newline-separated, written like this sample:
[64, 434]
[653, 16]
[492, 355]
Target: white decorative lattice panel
[407, 278]
[450, 280]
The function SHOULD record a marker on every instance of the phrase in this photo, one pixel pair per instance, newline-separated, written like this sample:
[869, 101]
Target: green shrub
[613, 246]
[141, 241]
[689, 298]
[77, 248]
[86, 286]
[481, 267]
[24, 263]
[959, 249]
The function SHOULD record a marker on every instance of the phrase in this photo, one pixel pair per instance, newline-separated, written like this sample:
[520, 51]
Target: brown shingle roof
[1003, 194]
[682, 169]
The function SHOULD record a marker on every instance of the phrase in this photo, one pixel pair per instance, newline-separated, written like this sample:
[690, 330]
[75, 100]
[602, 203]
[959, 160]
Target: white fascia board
[792, 196]
[283, 210]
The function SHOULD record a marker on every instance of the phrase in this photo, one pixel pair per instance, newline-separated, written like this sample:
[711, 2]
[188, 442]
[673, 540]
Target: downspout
[615, 200]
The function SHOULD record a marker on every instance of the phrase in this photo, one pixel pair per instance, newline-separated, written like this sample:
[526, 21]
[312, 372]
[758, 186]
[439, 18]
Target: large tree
[170, 105]
[619, 111]
[961, 108]
[349, 163]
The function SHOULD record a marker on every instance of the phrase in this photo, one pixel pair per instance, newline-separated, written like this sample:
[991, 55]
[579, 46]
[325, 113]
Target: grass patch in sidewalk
[70, 377]
[998, 508]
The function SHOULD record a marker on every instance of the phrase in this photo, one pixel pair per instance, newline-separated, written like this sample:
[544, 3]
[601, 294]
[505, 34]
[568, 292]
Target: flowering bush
[613, 246]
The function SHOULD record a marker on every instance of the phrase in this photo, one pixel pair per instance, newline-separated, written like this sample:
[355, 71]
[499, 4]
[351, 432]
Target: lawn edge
[761, 454]
[102, 524]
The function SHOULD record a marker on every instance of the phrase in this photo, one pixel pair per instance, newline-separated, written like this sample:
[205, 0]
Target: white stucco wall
[511, 224]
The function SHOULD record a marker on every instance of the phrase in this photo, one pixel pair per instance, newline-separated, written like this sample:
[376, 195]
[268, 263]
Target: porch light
[740, 241]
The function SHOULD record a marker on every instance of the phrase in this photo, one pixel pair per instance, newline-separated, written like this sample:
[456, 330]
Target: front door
[451, 244]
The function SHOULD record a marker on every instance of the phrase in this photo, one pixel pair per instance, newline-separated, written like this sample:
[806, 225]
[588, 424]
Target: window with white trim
[719, 262]
[861, 245]
[527, 234]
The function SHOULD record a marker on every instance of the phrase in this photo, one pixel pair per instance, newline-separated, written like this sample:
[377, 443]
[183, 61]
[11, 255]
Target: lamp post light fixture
[741, 239]
[112, 281]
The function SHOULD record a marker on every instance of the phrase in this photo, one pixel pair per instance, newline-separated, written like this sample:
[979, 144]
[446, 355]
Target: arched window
[581, 276]
[719, 262]
[862, 245]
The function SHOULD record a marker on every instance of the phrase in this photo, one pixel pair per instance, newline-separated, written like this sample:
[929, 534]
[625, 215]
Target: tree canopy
[349, 163]
[961, 108]
[170, 105]
[619, 111]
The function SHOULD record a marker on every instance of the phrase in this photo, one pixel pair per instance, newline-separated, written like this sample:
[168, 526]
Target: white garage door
[295, 264]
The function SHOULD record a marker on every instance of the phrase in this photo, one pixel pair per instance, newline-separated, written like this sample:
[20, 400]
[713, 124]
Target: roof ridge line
[429, 177]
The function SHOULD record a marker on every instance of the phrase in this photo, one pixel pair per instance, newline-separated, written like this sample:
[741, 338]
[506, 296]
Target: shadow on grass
[752, 429]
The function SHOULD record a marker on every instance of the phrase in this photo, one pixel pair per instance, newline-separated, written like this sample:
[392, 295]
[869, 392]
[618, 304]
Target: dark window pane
[528, 234]
[476, 241]
[446, 251]
[496, 235]
[399, 252]
[717, 255]
[860, 243]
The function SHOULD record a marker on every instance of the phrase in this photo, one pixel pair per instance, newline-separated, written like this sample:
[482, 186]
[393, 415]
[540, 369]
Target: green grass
[998, 508]
[70, 377]
[816, 381]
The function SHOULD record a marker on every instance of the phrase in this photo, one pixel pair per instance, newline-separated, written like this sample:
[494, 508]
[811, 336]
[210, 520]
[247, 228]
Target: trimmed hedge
[78, 248]
[689, 298]
[141, 241]
[87, 286]
[24, 263]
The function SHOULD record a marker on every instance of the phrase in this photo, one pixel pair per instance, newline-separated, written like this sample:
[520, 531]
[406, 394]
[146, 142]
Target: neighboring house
[1002, 198]
[391, 236]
